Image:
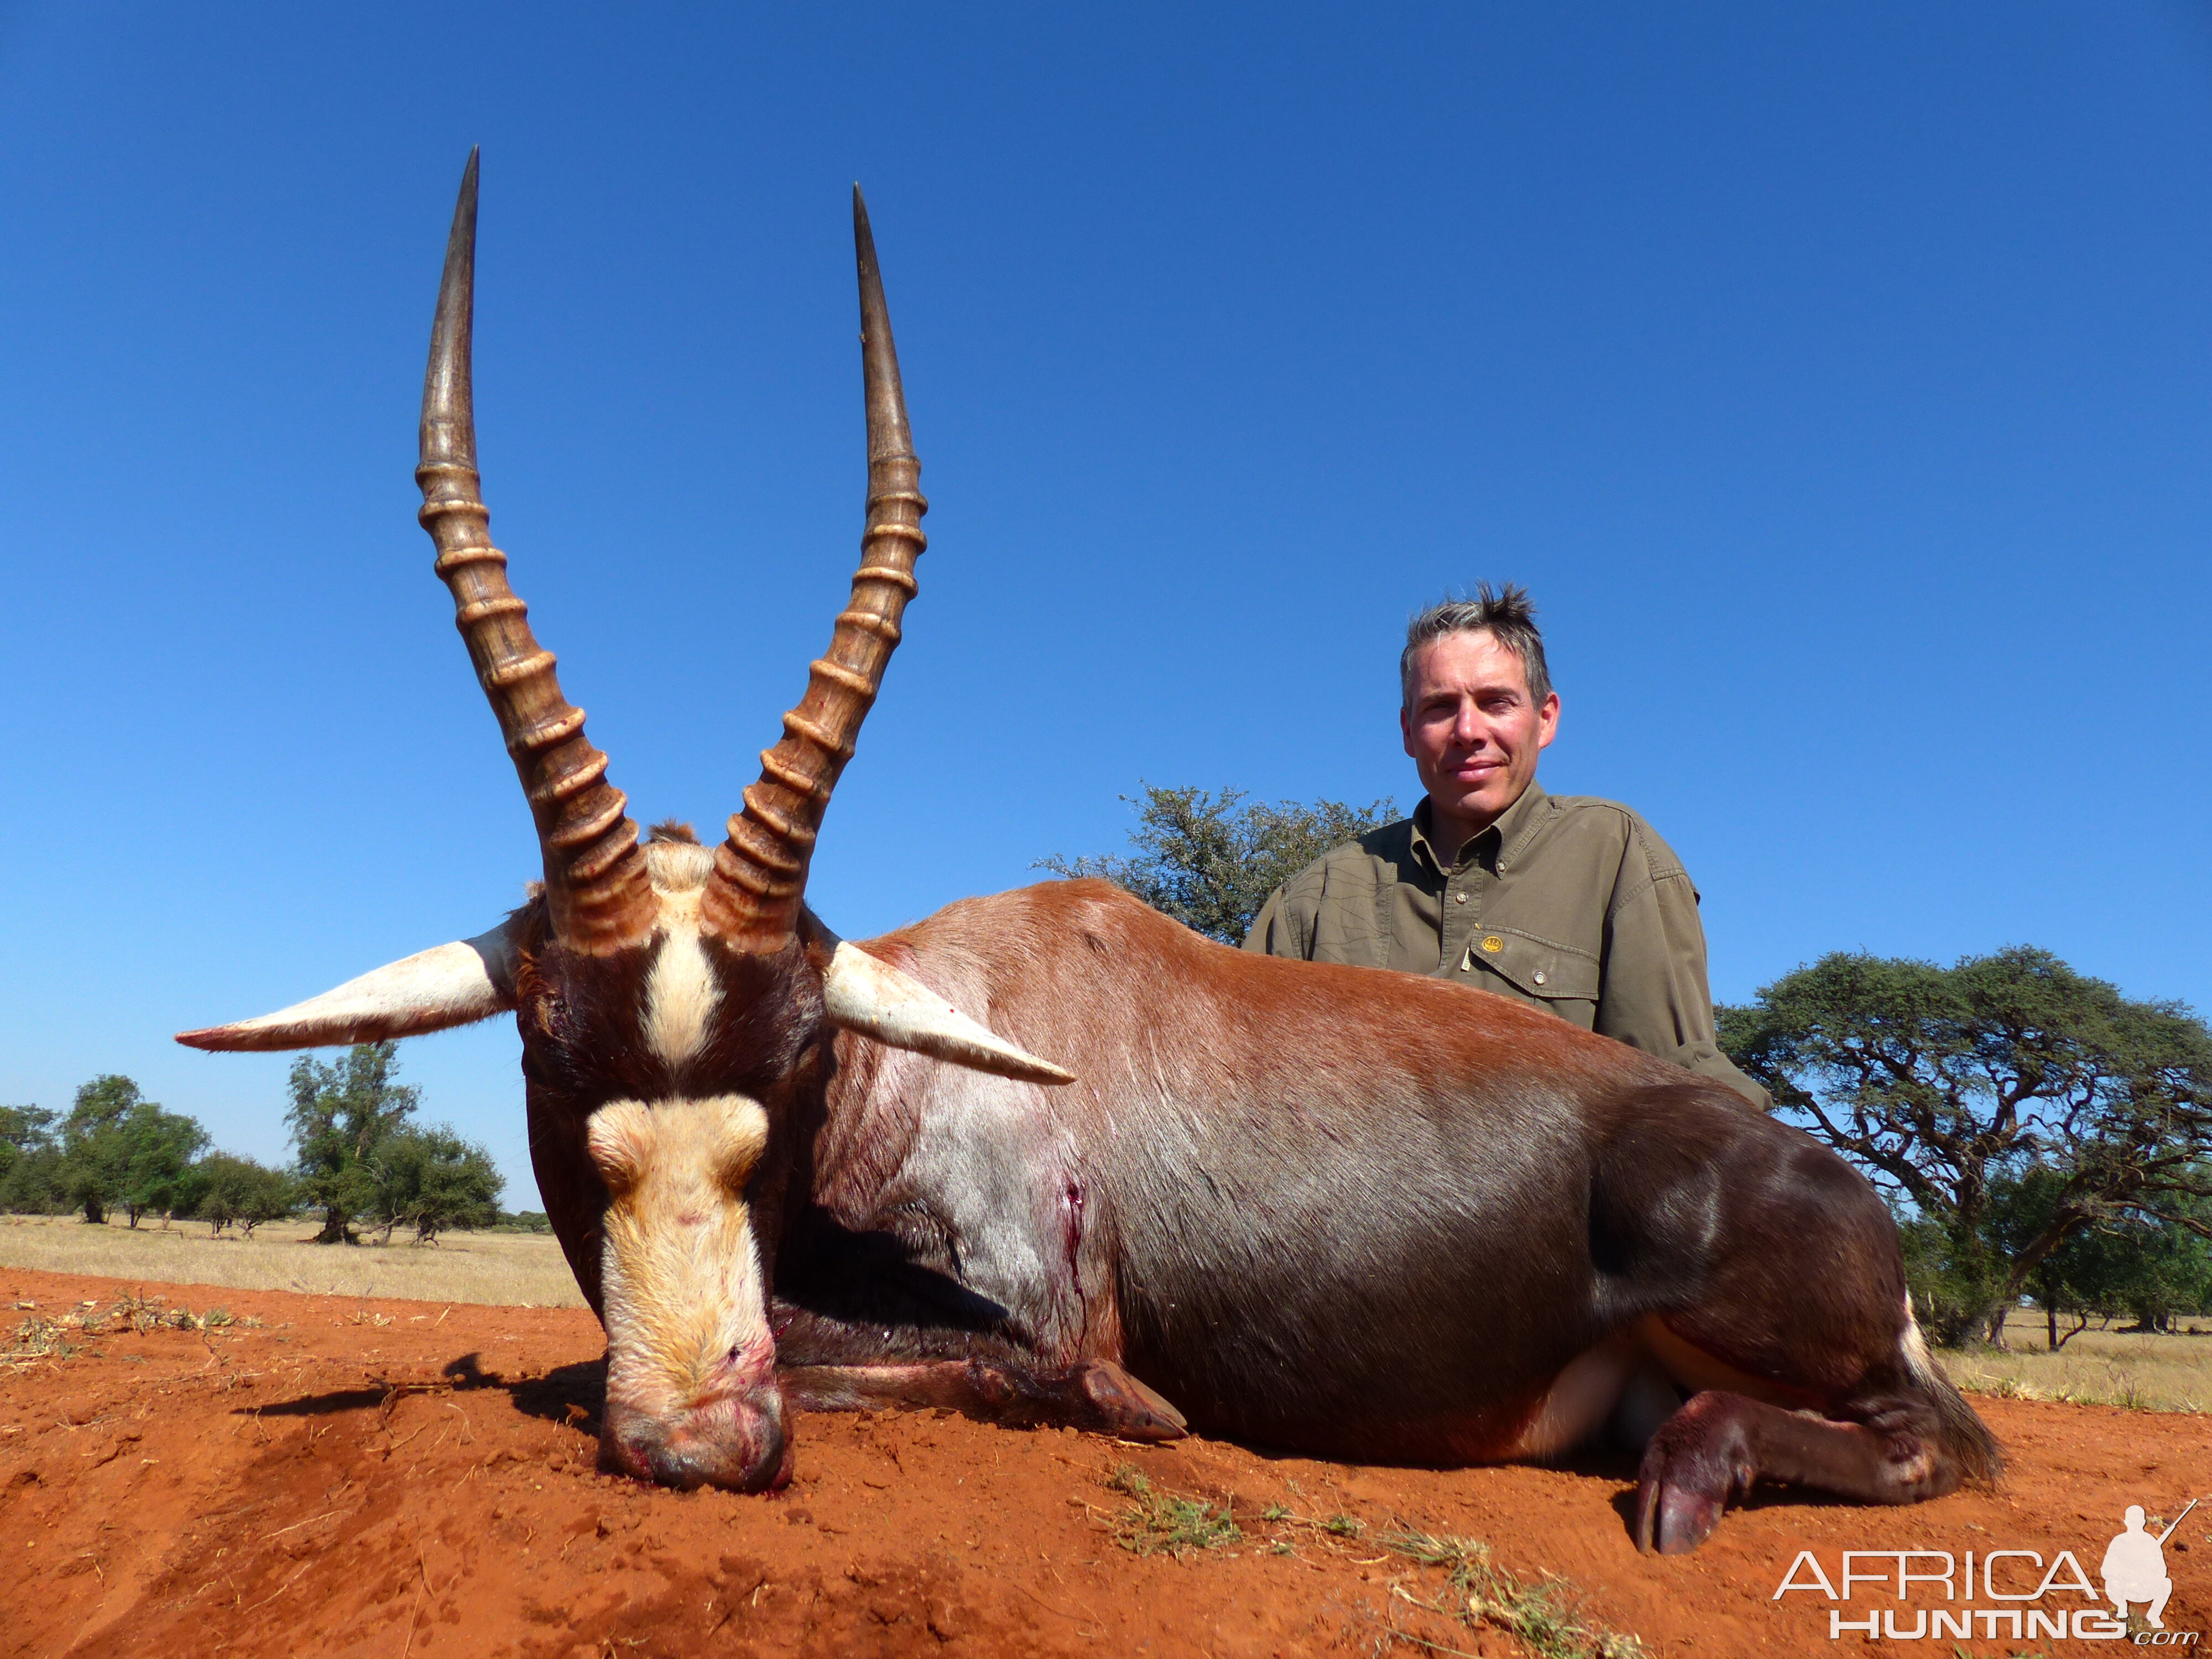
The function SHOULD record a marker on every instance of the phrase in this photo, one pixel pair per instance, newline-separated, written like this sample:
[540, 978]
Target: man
[1564, 901]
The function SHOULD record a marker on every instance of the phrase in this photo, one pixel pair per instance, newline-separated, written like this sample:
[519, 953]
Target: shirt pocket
[1550, 975]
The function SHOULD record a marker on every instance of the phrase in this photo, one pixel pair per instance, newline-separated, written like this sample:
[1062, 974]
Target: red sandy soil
[392, 1478]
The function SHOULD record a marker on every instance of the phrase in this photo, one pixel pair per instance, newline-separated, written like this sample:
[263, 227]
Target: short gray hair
[1506, 616]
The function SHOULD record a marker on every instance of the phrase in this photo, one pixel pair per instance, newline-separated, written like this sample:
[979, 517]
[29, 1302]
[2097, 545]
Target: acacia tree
[1210, 861]
[159, 1175]
[30, 1159]
[237, 1191]
[432, 1180]
[2155, 1271]
[339, 1114]
[96, 1148]
[1944, 1084]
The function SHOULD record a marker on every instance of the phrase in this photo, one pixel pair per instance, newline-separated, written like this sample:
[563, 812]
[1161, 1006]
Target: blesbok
[1337, 1209]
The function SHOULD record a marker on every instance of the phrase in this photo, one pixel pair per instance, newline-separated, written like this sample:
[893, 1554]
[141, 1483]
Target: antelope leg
[1093, 1395]
[1711, 1452]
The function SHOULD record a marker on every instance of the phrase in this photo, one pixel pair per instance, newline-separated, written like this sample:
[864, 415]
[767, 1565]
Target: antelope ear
[864, 993]
[455, 984]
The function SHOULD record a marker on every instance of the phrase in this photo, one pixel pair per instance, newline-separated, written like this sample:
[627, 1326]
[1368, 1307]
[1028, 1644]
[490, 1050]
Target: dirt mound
[334, 1476]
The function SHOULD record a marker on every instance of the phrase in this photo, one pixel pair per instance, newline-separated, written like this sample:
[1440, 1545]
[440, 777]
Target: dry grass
[1543, 1613]
[2096, 1368]
[2142, 1373]
[502, 1269]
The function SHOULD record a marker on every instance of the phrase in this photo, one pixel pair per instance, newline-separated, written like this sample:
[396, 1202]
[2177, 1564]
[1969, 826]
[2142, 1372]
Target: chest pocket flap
[1535, 969]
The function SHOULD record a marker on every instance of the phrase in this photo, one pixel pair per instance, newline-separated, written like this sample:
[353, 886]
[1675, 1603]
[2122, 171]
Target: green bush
[432, 1180]
[1211, 861]
[240, 1192]
[30, 1162]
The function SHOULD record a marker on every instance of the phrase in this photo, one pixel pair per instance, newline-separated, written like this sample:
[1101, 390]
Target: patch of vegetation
[133, 1313]
[1544, 1615]
[500, 1268]
[362, 1158]
[1541, 1616]
[2038, 1133]
[41, 1337]
[1156, 1522]
[1210, 861]
[2151, 1372]
[236, 1192]
[35, 1340]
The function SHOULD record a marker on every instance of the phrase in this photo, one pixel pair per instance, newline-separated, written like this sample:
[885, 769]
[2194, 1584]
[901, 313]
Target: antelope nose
[737, 1444]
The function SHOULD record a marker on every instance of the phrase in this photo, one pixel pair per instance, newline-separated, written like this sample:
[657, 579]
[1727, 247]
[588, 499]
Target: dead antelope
[1336, 1210]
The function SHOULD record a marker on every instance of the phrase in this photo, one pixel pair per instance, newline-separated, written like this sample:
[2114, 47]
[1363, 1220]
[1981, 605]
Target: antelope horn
[866, 993]
[752, 899]
[596, 886]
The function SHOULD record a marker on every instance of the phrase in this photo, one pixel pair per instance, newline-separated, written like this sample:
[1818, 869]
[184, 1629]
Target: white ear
[456, 984]
[862, 993]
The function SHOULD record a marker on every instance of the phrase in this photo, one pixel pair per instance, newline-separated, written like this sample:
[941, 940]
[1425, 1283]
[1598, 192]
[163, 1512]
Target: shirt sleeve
[1654, 994]
[1271, 934]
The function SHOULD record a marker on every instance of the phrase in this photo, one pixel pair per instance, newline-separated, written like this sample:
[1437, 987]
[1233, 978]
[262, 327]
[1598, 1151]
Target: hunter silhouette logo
[2134, 1567]
[2020, 1596]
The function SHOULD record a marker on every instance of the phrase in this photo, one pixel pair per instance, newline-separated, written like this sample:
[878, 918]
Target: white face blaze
[692, 1393]
[681, 997]
[679, 1274]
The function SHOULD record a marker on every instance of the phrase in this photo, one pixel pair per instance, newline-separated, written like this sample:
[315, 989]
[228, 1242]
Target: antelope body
[1048, 1157]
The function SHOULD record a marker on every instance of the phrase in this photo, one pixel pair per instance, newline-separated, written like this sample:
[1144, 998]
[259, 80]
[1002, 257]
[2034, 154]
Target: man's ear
[1406, 729]
[1547, 721]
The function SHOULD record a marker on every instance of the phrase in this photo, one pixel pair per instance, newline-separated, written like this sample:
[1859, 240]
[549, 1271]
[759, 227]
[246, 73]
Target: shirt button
[1459, 898]
[1538, 977]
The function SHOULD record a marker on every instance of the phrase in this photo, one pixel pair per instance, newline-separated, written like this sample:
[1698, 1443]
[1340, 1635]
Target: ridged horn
[596, 886]
[752, 899]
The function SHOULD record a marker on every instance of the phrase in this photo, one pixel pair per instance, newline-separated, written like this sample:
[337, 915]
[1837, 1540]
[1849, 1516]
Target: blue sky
[1836, 376]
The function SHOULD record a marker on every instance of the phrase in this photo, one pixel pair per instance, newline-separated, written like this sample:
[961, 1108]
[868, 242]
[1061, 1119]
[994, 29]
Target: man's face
[1472, 730]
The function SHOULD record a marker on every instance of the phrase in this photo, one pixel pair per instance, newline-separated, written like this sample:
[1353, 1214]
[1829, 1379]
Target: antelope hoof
[1698, 1460]
[1670, 1520]
[1126, 1407]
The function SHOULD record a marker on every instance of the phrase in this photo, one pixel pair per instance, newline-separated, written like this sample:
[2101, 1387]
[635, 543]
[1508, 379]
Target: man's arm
[1654, 994]
[1272, 932]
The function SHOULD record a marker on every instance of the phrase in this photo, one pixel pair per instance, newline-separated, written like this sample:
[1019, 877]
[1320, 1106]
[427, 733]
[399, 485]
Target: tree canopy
[121, 1150]
[340, 1113]
[240, 1192]
[432, 1180]
[362, 1158]
[30, 1159]
[1210, 859]
[2007, 1103]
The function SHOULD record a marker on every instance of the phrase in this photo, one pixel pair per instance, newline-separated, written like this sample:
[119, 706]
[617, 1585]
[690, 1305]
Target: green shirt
[1567, 901]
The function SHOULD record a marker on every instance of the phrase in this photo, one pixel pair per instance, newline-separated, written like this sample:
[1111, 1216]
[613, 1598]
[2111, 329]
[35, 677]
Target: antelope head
[674, 1003]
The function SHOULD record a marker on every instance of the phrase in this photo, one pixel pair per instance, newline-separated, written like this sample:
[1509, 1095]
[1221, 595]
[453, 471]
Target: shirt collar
[1490, 846]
